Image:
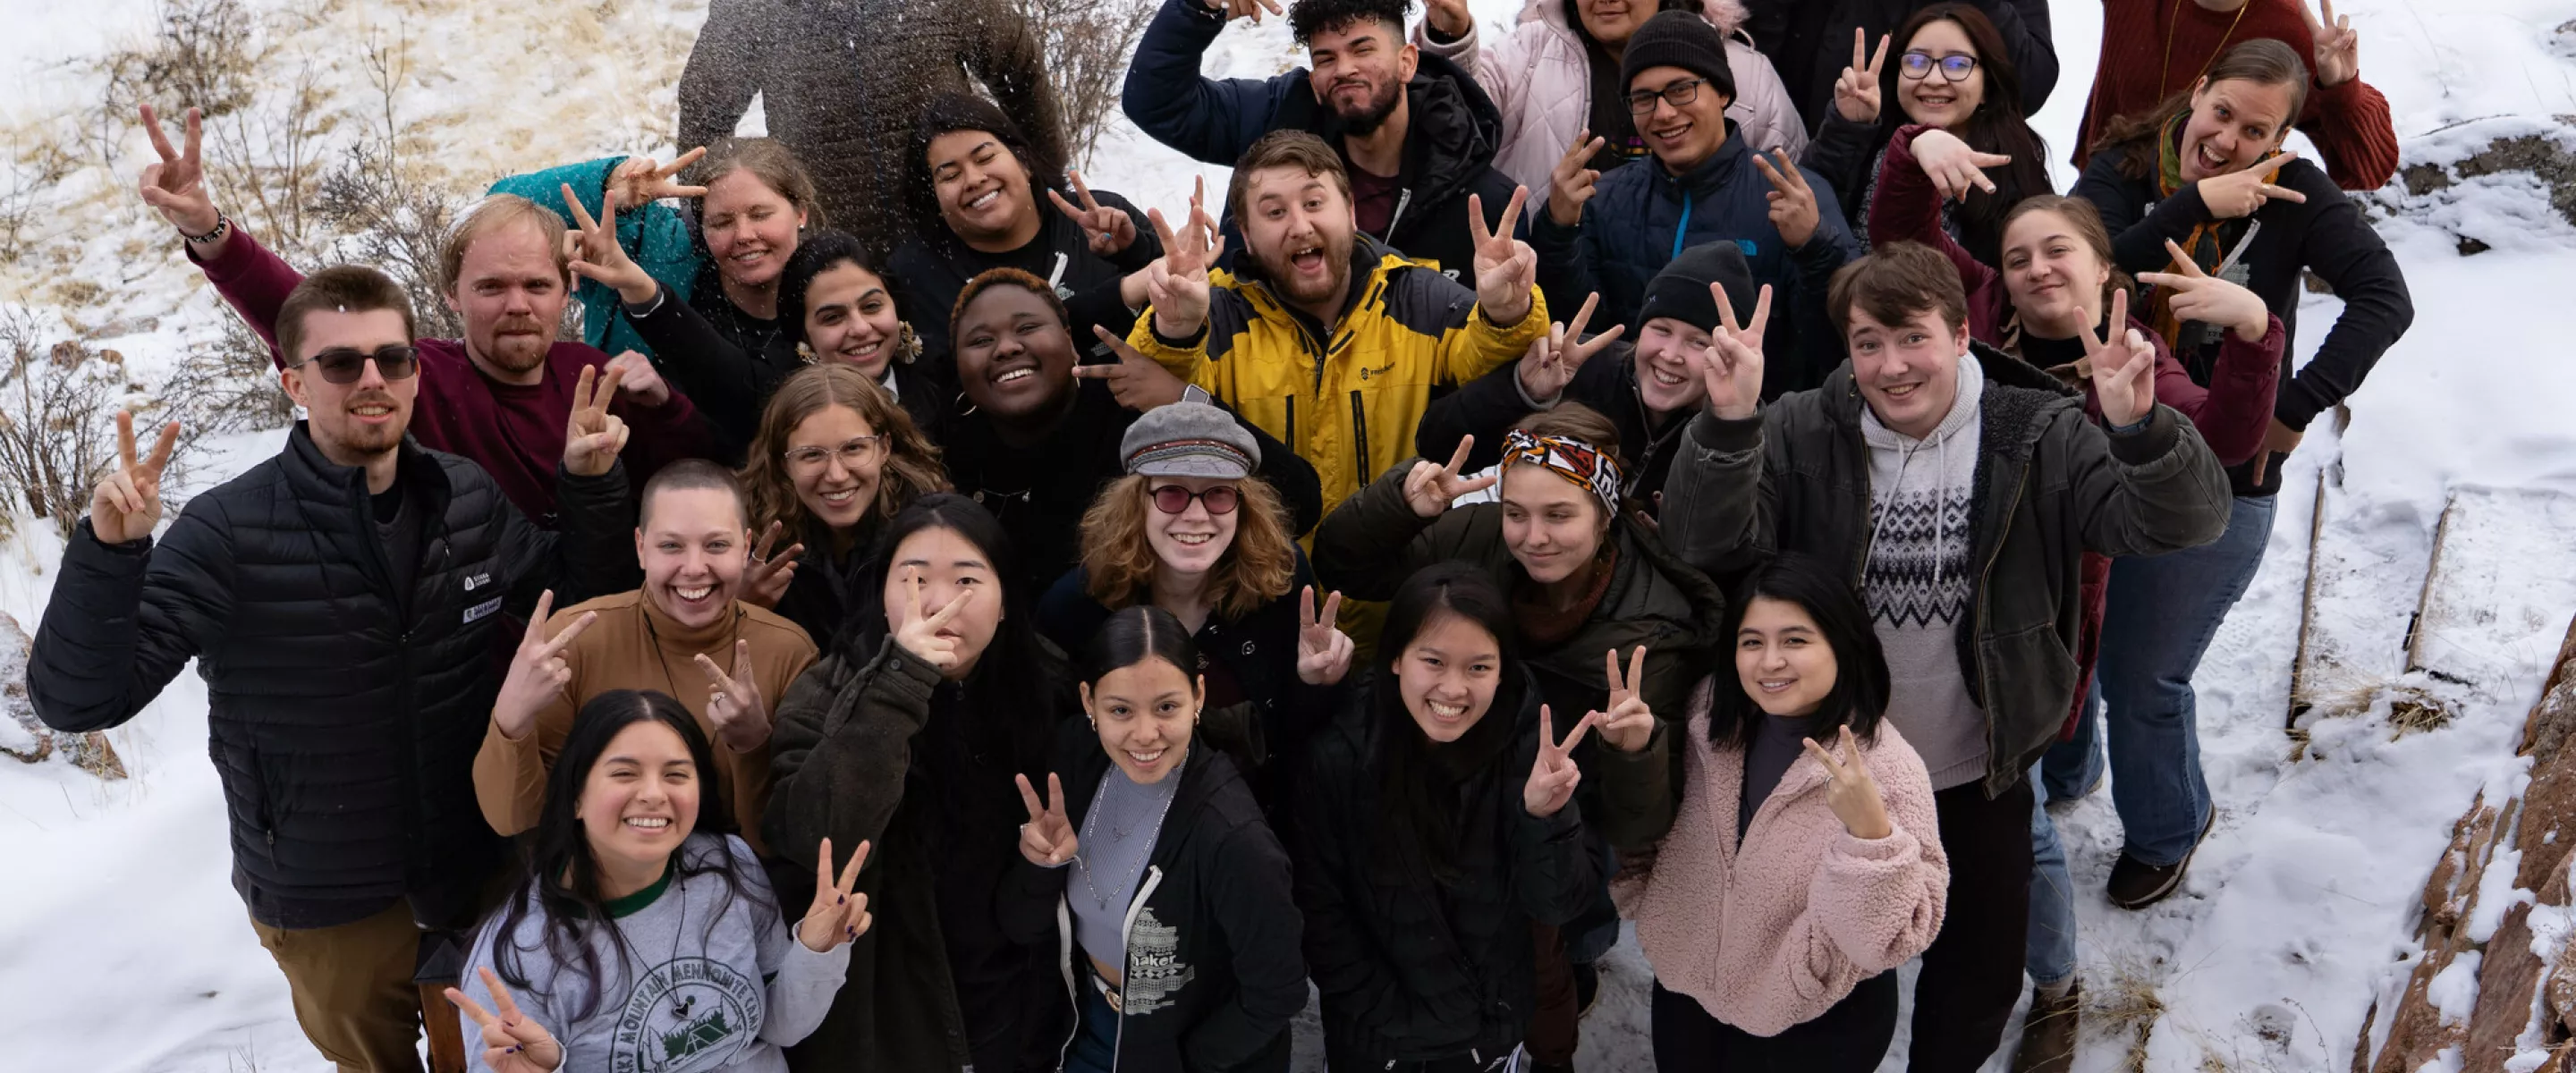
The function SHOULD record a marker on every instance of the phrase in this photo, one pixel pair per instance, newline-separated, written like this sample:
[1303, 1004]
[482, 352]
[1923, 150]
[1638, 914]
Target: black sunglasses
[1173, 499]
[345, 364]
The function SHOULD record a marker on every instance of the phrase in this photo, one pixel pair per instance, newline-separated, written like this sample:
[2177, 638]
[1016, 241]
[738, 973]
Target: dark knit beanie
[1680, 291]
[1678, 39]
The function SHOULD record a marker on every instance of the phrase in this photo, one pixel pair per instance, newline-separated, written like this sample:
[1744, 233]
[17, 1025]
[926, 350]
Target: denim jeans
[1095, 1041]
[2163, 610]
[2051, 955]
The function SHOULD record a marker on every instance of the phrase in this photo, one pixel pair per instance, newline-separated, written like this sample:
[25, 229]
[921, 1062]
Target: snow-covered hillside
[123, 947]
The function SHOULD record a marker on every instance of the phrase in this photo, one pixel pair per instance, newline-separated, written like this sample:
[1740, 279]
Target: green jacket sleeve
[654, 236]
[1374, 540]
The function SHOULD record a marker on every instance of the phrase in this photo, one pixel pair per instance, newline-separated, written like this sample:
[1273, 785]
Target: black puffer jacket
[2051, 484]
[344, 715]
[841, 82]
[1448, 153]
[1410, 969]
[1212, 968]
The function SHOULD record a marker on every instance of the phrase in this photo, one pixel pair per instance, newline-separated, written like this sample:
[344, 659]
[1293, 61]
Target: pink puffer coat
[1539, 78]
[1774, 932]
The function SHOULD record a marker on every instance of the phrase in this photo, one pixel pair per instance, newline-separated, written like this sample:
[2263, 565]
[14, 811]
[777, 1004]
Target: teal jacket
[654, 235]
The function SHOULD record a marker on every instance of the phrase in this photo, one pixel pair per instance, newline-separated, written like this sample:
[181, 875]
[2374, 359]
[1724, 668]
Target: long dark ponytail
[560, 875]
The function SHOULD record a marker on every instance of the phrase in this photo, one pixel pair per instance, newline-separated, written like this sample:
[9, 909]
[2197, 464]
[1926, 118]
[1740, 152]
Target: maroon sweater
[2349, 123]
[515, 432]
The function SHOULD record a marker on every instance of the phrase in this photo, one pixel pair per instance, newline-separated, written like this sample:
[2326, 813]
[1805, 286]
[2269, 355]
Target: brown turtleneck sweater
[635, 646]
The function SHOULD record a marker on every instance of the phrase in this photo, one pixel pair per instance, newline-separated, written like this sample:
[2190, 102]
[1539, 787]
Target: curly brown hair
[1257, 568]
[912, 467]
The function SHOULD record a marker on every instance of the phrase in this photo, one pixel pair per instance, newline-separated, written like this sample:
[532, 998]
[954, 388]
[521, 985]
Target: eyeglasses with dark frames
[1173, 499]
[1642, 102]
[347, 365]
[1916, 66]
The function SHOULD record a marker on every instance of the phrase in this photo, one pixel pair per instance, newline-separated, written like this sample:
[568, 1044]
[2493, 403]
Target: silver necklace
[1118, 835]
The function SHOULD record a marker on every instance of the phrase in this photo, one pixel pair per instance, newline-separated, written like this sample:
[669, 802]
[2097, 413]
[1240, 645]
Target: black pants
[1851, 1037]
[1972, 974]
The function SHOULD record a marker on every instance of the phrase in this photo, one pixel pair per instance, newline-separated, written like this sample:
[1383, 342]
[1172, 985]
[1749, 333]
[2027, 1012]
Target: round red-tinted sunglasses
[1173, 499]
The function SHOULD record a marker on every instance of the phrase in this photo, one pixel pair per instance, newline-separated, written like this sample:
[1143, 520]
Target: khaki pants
[352, 987]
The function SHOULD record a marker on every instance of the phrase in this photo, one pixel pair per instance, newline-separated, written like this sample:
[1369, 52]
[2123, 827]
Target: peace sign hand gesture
[511, 1042]
[766, 581]
[2199, 296]
[1570, 183]
[733, 701]
[1793, 202]
[919, 633]
[127, 504]
[1856, 92]
[838, 915]
[1506, 267]
[1953, 167]
[177, 185]
[1236, 9]
[1109, 230]
[1176, 284]
[644, 182]
[1553, 775]
[538, 673]
[2124, 366]
[2338, 45]
[1554, 358]
[1731, 366]
[1851, 793]
[1629, 725]
[1047, 840]
[1323, 650]
[1430, 488]
[2240, 193]
[1137, 382]
[594, 436]
[596, 254]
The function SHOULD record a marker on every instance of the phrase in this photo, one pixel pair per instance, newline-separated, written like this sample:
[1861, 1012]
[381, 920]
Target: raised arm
[1403, 521]
[1210, 120]
[837, 763]
[126, 614]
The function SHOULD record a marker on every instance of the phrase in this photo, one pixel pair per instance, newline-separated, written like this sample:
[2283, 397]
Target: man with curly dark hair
[1416, 134]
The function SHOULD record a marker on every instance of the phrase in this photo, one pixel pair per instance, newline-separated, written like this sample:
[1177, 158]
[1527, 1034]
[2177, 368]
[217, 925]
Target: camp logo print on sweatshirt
[687, 1015]
[1155, 971]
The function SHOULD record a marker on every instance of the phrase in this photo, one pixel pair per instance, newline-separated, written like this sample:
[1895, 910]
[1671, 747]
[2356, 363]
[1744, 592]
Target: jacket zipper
[1126, 958]
[1359, 438]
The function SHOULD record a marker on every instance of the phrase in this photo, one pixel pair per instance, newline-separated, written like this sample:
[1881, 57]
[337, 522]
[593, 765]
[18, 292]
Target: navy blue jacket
[1639, 217]
[1449, 152]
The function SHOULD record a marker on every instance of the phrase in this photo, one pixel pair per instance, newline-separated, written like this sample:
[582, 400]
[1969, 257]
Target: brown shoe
[2048, 1035]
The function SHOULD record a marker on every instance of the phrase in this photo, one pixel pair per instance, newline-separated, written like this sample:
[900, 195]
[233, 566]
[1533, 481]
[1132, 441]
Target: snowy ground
[122, 946]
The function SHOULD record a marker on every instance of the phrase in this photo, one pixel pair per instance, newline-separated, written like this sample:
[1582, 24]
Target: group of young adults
[1073, 608]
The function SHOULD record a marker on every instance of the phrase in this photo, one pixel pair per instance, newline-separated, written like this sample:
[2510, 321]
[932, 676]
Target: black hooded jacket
[1449, 149]
[344, 708]
[1411, 968]
[1212, 968]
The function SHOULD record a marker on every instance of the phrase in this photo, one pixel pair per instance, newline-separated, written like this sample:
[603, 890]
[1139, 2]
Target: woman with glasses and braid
[1191, 528]
[834, 457]
[1951, 72]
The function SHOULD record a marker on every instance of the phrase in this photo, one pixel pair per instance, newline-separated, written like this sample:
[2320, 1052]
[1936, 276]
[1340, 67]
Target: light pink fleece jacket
[1774, 933]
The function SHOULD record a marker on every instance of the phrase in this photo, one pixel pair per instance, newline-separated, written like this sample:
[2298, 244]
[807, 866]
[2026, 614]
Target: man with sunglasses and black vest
[1611, 232]
[344, 601]
[499, 395]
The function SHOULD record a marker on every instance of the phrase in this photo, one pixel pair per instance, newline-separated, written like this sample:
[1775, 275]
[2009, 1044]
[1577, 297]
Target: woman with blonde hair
[1192, 529]
[834, 457]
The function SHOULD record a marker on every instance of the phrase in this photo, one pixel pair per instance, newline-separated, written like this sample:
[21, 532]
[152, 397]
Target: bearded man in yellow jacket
[1327, 339]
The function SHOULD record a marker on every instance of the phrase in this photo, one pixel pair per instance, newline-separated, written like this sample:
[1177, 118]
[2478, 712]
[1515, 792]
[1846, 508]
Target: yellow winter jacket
[1348, 407]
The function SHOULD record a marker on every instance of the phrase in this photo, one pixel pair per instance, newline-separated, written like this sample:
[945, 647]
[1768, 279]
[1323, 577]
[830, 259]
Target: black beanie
[1680, 291]
[1678, 39]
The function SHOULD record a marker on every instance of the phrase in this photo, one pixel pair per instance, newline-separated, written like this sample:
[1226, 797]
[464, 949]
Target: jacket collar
[1204, 771]
[320, 482]
[1711, 173]
[1456, 130]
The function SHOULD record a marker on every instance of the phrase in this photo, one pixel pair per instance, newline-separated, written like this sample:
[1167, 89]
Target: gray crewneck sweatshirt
[1920, 579]
[711, 983]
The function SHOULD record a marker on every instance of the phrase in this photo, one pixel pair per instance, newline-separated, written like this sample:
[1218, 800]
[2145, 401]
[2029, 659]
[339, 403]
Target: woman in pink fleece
[1775, 929]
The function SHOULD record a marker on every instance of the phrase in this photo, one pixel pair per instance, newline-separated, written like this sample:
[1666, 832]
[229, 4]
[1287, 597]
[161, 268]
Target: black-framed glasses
[346, 364]
[853, 453]
[1678, 94]
[1916, 66]
[1173, 499]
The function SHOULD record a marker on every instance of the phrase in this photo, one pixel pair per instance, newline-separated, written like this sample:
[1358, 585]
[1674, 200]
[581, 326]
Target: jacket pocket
[246, 784]
[2031, 673]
